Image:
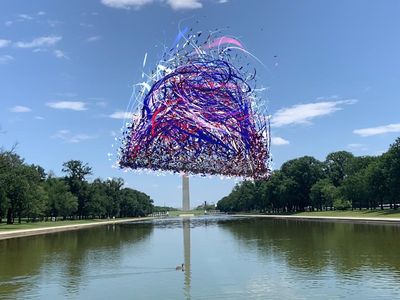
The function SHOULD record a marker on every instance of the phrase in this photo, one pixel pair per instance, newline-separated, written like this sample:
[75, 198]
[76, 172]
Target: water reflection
[224, 257]
[186, 250]
[314, 246]
[63, 257]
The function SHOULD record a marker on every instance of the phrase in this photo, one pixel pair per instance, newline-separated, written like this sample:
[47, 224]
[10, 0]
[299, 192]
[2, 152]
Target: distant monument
[185, 193]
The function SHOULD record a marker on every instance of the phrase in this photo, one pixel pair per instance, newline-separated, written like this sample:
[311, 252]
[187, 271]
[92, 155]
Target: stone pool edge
[326, 218]
[46, 230]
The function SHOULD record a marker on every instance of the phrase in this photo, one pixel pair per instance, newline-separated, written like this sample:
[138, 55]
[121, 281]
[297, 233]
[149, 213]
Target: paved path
[324, 218]
[43, 230]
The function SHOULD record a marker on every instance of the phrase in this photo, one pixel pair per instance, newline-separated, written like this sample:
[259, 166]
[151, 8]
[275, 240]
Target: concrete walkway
[8, 234]
[323, 218]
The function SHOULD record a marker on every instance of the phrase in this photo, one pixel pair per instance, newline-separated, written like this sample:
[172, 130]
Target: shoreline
[46, 230]
[375, 220]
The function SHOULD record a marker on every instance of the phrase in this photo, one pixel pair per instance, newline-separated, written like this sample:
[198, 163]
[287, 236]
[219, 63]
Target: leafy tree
[392, 167]
[26, 192]
[322, 194]
[377, 182]
[113, 187]
[76, 172]
[338, 166]
[273, 200]
[135, 203]
[14, 184]
[341, 204]
[37, 200]
[303, 173]
[343, 179]
[354, 189]
[129, 203]
[61, 202]
[76, 169]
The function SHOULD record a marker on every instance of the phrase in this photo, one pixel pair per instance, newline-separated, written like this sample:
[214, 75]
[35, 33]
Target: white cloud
[25, 17]
[184, 4]
[86, 25]
[60, 54]
[39, 118]
[68, 137]
[304, 113]
[174, 4]
[44, 41]
[8, 23]
[378, 130]
[357, 147]
[20, 109]
[41, 13]
[54, 23]
[5, 59]
[278, 141]
[37, 50]
[122, 115]
[4, 43]
[126, 3]
[72, 105]
[93, 38]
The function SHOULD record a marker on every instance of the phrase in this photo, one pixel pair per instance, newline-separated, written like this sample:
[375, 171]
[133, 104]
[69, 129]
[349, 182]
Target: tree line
[27, 192]
[343, 181]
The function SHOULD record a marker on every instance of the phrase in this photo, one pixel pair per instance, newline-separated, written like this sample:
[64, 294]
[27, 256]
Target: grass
[33, 225]
[176, 213]
[24, 225]
[387, 213]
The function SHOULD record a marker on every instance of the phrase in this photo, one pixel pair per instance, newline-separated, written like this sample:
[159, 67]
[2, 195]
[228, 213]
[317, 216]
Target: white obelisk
[185, 193]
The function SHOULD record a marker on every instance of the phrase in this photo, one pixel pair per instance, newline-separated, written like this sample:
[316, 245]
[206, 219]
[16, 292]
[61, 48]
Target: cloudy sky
[331, 70]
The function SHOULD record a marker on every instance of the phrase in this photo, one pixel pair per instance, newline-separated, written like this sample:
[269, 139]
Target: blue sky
[332, 73]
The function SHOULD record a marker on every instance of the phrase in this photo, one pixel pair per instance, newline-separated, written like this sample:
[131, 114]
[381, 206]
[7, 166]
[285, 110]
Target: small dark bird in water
[181, 267]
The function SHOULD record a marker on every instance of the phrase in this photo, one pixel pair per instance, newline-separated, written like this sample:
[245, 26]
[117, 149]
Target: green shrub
[341, 204]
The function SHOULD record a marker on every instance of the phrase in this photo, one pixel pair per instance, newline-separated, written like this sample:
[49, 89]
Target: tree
[61, 202]
[134, 203]
[76, 172]
[392, 167]
[129, 203]
[377, 182]
[37, 200]
[354, 189]
[338, 166]
[113, 187]
[14, 184]
[76, 169]
[304, 172]
[97, 201]
[273, 200]
[343, 179]
[322, 194]
[341, 204]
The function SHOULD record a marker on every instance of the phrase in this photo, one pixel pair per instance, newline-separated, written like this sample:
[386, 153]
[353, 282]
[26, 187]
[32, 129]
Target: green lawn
[25, 225]
[176, 213]
[387, 213]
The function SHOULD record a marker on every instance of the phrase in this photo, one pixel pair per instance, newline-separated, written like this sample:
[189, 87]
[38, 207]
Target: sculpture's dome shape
[199, 118]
